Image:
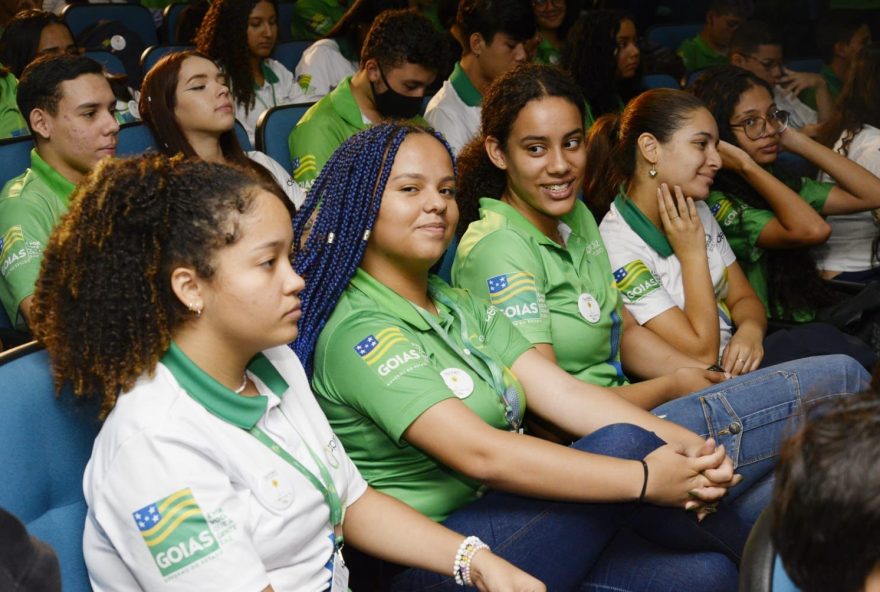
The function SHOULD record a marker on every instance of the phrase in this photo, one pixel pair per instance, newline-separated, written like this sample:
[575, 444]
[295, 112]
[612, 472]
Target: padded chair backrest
[285, 21]
[134, 138]
[756, 566]
[111, 63]
[169, 20]
[15, 154]
[46, 443]
[274, 127]
[137, 18]
[290, 52]
[659, 81]
[154, 53]
[781, 581]
[671, 36]
[242, 136]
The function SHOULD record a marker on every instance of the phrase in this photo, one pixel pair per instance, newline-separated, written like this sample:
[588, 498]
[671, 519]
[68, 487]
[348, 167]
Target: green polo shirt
[314, 18]
[697, 55]
[11, 122]
[30, 207]
[564, 296]
[379, 365]
[742, 225]
[835, 85]
[547, 53]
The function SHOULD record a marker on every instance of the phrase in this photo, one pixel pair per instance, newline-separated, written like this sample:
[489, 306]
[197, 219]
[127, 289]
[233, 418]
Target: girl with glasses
[554, 18]
[771, 220]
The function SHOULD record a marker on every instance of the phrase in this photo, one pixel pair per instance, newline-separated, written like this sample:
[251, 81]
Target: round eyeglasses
[754, 126]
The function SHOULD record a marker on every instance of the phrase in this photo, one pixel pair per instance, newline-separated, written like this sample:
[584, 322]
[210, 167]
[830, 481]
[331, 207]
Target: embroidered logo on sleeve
[516, 295]
[305, 165]
[15, 251]
[389, 353]
[724, 212]
[175, 531]
[635, 281]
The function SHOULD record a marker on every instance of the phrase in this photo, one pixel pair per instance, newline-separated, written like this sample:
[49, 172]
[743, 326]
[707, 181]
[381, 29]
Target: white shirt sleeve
[321, 68]
[447, 124]
[281, 175]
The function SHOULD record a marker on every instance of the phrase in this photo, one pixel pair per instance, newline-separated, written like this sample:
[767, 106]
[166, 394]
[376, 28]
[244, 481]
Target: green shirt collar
[344, 104]
[55, 181]
[270, 76]
[388, 299]
[641, 225]
[464, 88]
[517, 220]
[217, 399]
[705, 49]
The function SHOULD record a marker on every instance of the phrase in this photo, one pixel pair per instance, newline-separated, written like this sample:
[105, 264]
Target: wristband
[645, 483]
[461, 570]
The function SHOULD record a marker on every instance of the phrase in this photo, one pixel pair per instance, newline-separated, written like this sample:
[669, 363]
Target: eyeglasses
[755, 126]
[768, 64]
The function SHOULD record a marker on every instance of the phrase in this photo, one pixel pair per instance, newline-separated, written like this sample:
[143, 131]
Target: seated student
[755, 48]
[33, 33]
[312, 19]
[771, 221]
[851, 252]
[169, 294]
[435, 386]
[186, 104]
[240, 35]
[328, 60]
[601, 53]
[399, 60]
[710, 46]
[554, 18]
[494, 34]
[840, 35]
[825, 525]
[70, 111]
[11, 122]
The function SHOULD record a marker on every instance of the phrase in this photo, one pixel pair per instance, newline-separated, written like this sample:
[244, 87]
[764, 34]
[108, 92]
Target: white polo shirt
[282, 176]
[182, 497]
[650, 281]
[322, 67]
[279, 88]
[852, 235]
[455, 110]
[801, 114]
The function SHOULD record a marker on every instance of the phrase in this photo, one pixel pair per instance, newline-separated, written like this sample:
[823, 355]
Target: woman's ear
[187, 286]
[649, 148]
[495, 152]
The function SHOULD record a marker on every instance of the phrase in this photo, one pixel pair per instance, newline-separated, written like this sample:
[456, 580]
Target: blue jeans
[752, 414]
[560, 543]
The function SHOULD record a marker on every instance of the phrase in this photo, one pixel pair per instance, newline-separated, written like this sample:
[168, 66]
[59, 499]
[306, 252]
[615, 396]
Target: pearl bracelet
[462, 567]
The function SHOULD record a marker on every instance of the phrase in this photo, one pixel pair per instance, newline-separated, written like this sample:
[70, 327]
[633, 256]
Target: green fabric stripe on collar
[388, 299]
[236, 409]
[55, 181]
[270, 76]
[463, 86]
[641, 225]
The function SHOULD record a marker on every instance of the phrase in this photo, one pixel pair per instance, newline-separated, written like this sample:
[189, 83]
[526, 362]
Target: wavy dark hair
[103, 304]
[589, 54]
[355, 23]
[20, 40]
[793, 282]
[223, 37]
[502, 103]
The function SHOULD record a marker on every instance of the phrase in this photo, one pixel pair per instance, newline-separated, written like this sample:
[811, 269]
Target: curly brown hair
[103, 304]
[223, 37]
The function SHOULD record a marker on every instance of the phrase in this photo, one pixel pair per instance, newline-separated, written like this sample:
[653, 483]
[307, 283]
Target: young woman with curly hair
[168, 292]
[185, 102]
[240, 35]
[852, 252]
[770, 220]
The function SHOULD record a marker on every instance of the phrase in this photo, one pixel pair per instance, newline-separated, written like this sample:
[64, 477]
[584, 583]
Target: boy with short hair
[710, 46]
[839, 37]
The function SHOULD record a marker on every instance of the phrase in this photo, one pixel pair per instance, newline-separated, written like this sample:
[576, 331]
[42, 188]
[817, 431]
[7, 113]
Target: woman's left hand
[744, 352]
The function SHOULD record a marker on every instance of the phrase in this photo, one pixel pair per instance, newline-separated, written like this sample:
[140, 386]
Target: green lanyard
[507, 395]
[327, 487]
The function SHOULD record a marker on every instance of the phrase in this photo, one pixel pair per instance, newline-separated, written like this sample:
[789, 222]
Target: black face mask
[392, 104]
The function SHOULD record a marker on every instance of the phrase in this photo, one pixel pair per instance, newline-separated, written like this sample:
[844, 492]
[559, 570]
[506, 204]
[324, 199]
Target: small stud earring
[653, 171]
[193, 308]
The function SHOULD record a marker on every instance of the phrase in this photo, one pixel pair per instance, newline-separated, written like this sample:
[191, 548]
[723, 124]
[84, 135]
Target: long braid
[332, 226]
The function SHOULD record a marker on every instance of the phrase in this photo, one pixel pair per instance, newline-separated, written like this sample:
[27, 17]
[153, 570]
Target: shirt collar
[344, 104]
[464, 88]
[389, 300]
[55, 181]
[517, 220]
[217, 399]
[641, 225]
[269, 74]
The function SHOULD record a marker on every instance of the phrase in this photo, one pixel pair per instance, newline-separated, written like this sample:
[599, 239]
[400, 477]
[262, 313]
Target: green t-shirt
[564, 296]
[742, 225]
[547, 53]
[835, 85]
[11, 122]
[379, 365]
[30, 207]
[697, 54]
[314, 18]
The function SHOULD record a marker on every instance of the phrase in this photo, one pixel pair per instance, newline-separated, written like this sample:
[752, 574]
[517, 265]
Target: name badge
[458, 381]
[589, 308]
[339, 581]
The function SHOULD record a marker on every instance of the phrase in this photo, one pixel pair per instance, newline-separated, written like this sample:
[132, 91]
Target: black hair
[21, 38]
[356, 21]
[40, 84]
[489, 17]
[502, 103]
[838, 26]
[738, 8]
[401, 36]
[589, 54]
[752, 34]
[793, 282]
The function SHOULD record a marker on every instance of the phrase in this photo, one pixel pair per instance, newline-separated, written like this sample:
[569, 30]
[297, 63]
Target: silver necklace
[240, 389]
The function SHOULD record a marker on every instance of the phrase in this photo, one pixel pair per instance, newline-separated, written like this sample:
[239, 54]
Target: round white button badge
[459, 382]
[589, 308]
[117, 42]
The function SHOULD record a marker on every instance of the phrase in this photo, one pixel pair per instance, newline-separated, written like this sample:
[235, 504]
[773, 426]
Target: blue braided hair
[331, 227]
